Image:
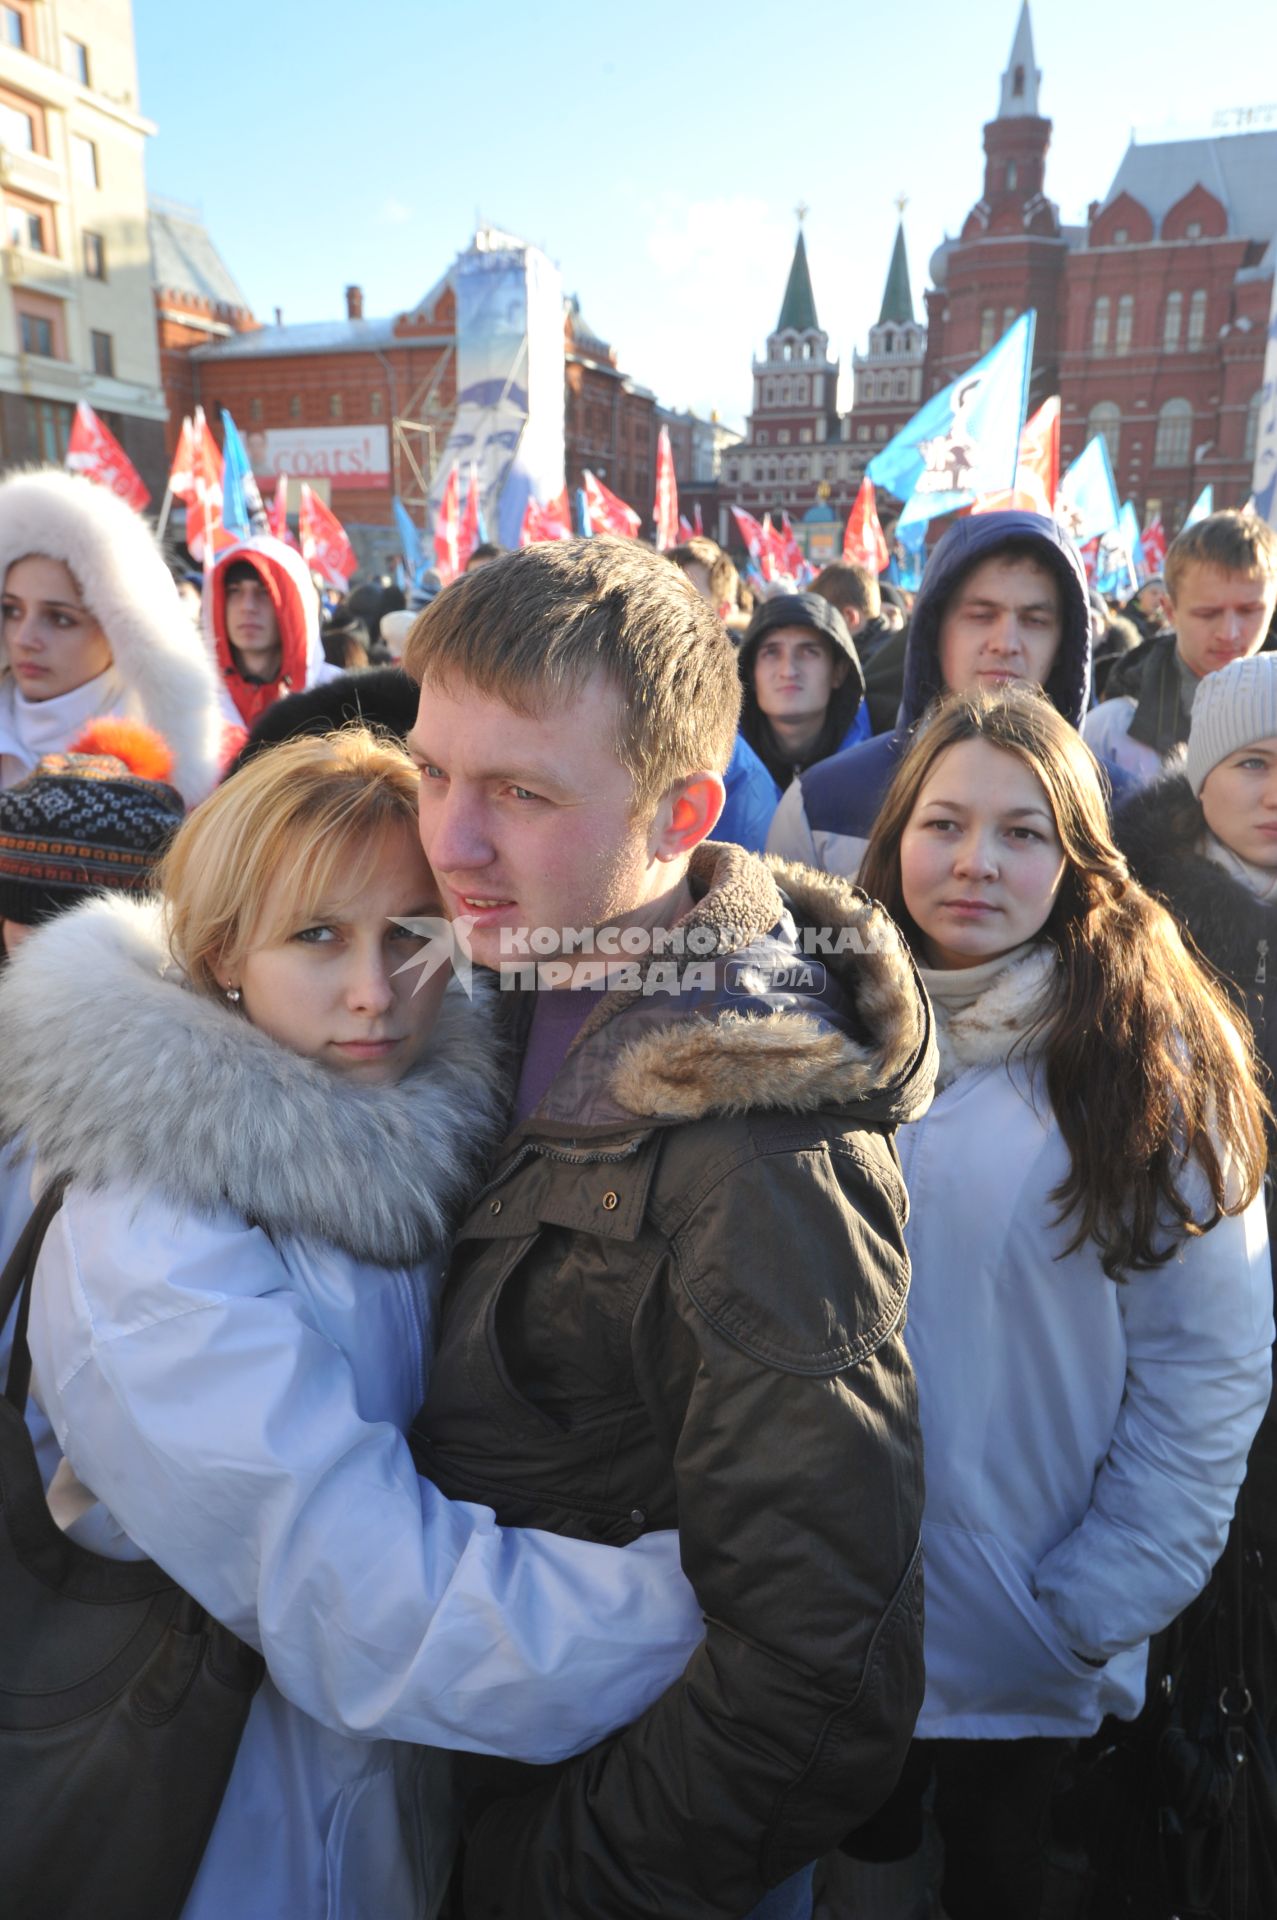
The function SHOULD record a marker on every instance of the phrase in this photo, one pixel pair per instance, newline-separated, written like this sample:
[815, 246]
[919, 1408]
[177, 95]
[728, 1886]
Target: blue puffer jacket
[825, 818]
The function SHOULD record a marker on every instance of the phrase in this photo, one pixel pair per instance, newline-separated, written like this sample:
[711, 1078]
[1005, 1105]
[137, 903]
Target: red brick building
[609, 420]
[1150, 318]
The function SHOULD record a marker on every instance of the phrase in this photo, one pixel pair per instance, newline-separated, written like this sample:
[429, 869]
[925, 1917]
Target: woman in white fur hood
[266, 1131]
[93, 625]
[1090, 1311]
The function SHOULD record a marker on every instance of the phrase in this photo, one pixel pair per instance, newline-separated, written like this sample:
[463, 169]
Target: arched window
[760, 438]
[988, 329]
[806, 349]
[866, 386]
[902, 386]
[1252, 425]
[1100, 325]
[1173, 323]
[1009, 317]
[1012, 176]
[1197, 319]
[1174, 434]
[1105, 418]
[1017, 84]
[800, 391]
[786, 392]
[1125, 323]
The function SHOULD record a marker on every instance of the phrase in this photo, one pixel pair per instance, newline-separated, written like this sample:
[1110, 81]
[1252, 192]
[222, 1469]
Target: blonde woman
[266, 1129]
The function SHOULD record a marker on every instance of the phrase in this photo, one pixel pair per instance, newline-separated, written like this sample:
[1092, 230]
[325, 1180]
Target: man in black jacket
[679, 1300]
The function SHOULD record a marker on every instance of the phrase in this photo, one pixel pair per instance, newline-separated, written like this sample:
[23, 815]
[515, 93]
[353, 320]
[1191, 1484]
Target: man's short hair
[700, 550]
[1232, 541]
[845, 583]
[532, 628]
[486, 550]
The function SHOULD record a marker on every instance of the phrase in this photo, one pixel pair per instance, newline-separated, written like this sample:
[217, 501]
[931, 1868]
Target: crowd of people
[649, 1224]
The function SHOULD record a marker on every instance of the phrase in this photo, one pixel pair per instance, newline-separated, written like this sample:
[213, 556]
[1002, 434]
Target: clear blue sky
[658, 162]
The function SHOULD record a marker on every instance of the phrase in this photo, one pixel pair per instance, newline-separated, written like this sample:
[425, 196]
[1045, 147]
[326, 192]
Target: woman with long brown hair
[1090, 1313]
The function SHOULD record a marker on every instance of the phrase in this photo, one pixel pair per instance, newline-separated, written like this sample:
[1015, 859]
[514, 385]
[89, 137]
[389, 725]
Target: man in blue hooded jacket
[1004, 598]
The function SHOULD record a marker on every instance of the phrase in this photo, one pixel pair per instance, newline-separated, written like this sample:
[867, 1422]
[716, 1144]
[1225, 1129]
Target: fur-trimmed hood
[769, 1017]
[116, 1071]
[129, 590]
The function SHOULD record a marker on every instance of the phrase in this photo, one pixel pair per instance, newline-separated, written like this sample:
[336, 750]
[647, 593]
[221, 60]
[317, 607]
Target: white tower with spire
[1022, 79]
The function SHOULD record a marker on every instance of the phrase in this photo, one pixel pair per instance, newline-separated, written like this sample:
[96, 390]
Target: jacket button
[494, 1207]
[610, 1202]
[638, 1516]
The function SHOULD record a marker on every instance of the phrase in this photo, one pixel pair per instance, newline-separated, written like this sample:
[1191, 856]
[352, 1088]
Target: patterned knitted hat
[1231, 709]
[99, 815]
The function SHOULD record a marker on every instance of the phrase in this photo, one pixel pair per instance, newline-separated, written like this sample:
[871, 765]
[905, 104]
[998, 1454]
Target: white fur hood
[130, 592]
[114, 1070]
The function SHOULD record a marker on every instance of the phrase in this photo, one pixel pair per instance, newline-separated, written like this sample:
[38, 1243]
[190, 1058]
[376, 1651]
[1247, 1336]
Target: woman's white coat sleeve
[1199, 1337]
[222, 1433]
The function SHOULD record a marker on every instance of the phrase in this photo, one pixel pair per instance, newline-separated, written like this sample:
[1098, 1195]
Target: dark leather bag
[121, 1701]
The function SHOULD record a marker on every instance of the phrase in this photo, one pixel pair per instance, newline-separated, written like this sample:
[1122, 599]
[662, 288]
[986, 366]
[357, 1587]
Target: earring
[232, 994]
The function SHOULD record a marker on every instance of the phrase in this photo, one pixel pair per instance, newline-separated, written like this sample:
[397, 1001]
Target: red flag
[795, 564]
[545, 523]
[468, 534]
[750, 532]
[196, 480]
[325, 547]
[771, 560]
[277, 514]
[1037, 467]
[698, 525]
[447, 529]
[94, 450]
[1153, 545]
[686, 531]
[665, 506]
[863, 541]
[608, 514]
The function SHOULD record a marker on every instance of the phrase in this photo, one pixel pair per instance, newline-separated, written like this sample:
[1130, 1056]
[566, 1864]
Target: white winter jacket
[1084, 1440]
[160, 671]
[231, 1325]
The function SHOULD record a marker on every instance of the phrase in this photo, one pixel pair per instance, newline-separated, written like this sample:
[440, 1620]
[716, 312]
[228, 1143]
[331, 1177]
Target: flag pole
[165, 508]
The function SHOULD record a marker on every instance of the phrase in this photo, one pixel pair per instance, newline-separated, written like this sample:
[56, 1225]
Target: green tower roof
[798, 309]
[897, 300]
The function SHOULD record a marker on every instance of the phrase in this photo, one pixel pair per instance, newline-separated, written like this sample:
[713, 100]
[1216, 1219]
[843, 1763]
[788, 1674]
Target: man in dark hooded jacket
[1004, 598]
[803, 685]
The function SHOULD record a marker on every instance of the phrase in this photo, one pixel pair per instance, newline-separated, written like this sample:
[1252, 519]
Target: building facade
[357, 408]
[610, 423]
[76, 312]
[1151, 317]
[197, 303]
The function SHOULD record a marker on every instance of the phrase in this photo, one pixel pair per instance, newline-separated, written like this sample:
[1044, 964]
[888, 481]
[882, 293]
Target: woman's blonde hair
[1146, 1066]
[304, 810]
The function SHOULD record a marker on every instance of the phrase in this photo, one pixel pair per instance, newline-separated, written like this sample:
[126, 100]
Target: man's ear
[687, 815]
[854, 617]
[841, 668]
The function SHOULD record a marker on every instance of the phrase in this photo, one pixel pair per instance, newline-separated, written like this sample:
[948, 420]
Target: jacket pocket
[992, 1649]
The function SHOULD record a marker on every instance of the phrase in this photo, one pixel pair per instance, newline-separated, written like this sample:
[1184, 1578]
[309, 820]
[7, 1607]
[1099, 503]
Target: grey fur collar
[115, 1071]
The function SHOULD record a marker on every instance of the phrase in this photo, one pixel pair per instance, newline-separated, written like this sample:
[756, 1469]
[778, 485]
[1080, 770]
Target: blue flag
[1201, 507]
[904, 569]
[1086, 504]
[409, 541]
[966, 440]
[1117, 560]
[243, 513]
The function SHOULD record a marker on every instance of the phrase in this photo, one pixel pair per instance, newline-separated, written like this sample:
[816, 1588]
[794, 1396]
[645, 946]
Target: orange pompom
[143, 751]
